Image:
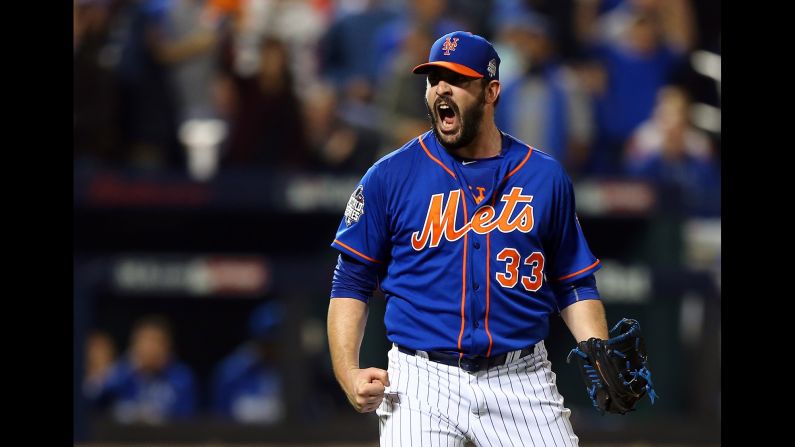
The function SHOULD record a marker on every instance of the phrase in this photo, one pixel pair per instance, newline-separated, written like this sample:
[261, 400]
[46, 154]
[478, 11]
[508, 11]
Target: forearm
[586, 319]
[347, 318]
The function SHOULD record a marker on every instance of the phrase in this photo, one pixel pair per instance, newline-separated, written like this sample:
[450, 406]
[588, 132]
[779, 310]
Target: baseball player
[472, 236]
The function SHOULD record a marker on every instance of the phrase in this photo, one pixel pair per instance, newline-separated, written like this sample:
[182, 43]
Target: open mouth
[448, 116]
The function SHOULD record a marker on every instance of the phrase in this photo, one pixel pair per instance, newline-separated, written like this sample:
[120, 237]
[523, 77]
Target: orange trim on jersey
[579, 271]
[463, 278]
[434, 158]
[488, 288]
[529, 152]
[358, 253]
[494, 195]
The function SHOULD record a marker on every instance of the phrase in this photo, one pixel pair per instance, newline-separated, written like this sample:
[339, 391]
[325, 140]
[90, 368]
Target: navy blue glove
[615, 371]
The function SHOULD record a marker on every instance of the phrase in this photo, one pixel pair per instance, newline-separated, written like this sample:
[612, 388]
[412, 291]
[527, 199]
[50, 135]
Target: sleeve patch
[355, 208]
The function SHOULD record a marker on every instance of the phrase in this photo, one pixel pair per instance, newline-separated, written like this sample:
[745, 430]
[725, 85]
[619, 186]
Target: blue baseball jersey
[467, 268]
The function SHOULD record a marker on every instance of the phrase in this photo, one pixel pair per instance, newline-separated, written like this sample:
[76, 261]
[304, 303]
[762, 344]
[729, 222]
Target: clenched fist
[365, 388]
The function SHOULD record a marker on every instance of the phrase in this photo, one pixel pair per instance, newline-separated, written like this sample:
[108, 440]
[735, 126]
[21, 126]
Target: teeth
[444, 106]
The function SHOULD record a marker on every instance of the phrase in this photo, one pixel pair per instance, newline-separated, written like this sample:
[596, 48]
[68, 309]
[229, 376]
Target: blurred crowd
[605, 86]
[608, 87]
[148, 384]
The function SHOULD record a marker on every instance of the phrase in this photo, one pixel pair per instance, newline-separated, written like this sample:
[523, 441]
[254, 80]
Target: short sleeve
[571, 259]
[363, 230]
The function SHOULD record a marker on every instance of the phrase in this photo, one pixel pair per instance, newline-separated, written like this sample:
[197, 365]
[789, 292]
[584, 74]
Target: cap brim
[458, 68]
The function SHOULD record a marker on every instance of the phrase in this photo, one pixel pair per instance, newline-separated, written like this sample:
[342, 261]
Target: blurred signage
[624, 283]
[109, 189]
[194, 276]
[232, 188]
[321, 193]
[597, 197]
[298, 192]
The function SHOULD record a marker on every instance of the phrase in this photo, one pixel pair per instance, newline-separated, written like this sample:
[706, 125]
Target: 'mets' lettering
[440, 219]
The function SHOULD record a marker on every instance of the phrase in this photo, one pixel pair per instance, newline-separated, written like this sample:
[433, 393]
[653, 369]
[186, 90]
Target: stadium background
[217, 142]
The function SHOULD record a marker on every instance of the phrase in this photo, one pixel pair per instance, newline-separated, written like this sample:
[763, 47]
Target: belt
[469, 364]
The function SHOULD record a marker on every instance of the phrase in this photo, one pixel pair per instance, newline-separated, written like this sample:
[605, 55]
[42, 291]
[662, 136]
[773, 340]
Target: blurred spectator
[403, 115]
[336, 145]
[347, 51]
[559, 13]
[473, 15]
[669, 126]
[187, 40]
[425, 14]
[266, 124]
[299, 24]
[96, 130]
[607, 20]
[646, 54]
[546, 106]
[677, 157]
[100, 356]
[379, 47]
[247, 385]
[147, 102]
[148, 385]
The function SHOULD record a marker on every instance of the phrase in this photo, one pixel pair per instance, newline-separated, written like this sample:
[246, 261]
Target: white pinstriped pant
[432, 404]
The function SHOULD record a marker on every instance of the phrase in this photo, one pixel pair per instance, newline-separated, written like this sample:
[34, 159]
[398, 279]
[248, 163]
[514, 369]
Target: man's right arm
[352, 285]
[364, 388]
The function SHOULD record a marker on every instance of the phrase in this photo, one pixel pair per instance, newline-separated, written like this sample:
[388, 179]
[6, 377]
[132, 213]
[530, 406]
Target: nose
[443, 88]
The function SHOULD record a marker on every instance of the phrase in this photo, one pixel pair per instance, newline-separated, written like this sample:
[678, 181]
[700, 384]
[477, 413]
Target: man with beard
[472, 236]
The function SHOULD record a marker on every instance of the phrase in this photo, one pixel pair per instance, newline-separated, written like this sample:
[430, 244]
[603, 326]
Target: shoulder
[540, 166]
[397, 161]
[538, 159]
[405, 152]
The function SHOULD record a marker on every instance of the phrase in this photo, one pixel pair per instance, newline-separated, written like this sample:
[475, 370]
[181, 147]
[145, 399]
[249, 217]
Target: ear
[492, 91]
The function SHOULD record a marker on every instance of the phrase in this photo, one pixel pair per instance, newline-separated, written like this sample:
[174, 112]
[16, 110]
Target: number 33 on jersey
[481, 265]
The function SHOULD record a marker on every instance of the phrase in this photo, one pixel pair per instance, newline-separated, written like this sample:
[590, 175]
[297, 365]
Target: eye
[433, 78]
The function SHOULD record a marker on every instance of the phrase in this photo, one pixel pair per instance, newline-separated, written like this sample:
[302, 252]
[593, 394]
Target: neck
[488, 142]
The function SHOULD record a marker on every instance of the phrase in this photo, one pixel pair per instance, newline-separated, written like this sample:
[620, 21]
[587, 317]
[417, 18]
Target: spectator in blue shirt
[100, 356]
[148, 385]
[646, 50]
[247, 385]
[676, 157]
[546, 104]
[347, 50]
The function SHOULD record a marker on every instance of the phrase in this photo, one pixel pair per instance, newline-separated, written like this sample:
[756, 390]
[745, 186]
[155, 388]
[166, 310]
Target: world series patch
[355, 207]
[492, 68]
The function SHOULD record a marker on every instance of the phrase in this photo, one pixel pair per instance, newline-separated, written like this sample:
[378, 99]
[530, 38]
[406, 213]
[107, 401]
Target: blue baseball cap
[464, 53]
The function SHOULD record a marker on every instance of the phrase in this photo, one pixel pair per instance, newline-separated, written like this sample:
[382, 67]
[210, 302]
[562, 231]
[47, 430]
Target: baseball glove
[615, 371]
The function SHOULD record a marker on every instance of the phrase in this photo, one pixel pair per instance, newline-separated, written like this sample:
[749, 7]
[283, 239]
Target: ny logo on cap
[450, 45]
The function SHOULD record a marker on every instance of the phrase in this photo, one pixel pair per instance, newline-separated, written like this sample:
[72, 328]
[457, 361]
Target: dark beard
[470, 123]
